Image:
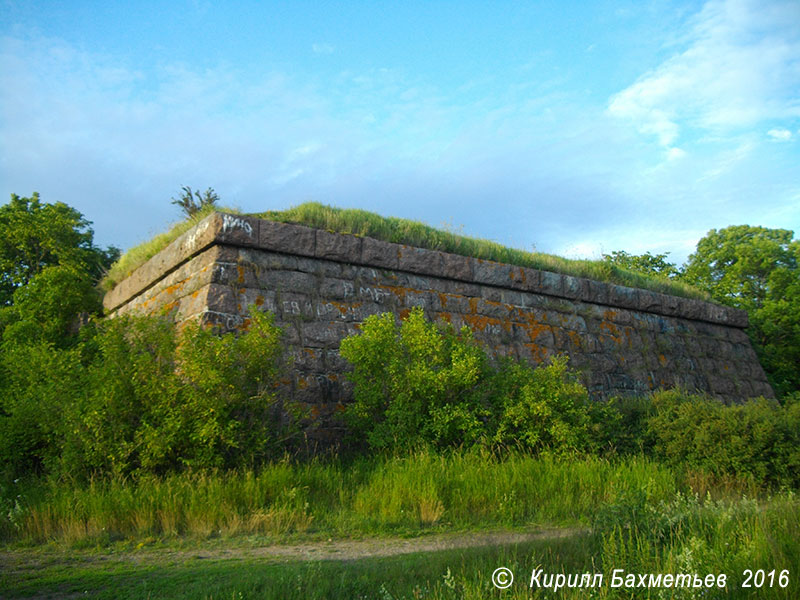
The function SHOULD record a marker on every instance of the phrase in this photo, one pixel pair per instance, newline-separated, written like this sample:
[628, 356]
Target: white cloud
[675, 154]
[780, 135]
[741, 66]
[322, 48]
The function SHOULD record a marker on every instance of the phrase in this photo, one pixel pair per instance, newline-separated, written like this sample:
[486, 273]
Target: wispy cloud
[322, 49]
[741, 66]
[780, 135]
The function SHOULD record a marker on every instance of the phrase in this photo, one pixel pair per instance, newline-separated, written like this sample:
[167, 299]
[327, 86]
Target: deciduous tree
[757, 269]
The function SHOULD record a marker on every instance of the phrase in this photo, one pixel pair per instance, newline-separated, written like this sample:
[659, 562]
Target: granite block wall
[322, 285]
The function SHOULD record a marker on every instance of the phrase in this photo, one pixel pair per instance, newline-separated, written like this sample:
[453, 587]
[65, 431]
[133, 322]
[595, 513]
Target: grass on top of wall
[412, 233]
[138, 255]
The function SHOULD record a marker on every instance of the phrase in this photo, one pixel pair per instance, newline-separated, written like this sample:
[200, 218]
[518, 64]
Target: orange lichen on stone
[534, 328]
[174, 287]
[610, 315]
[613, 331]
[574, 337]
[539, 353]
[240, 270]
[343, 307]
[508, 307]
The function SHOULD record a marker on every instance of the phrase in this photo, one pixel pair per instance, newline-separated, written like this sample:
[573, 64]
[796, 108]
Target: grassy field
[365, 497]
[413, 233]
[194, 536]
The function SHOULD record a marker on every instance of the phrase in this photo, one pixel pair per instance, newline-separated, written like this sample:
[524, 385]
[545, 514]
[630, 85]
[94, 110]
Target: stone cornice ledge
[244, 231]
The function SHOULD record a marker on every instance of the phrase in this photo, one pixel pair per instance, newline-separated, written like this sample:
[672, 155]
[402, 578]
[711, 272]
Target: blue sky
[573, 128]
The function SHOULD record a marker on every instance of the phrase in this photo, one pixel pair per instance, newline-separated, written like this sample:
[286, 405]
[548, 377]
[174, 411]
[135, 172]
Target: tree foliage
[648, 264]
[49, 307]
[742, 265]
[757, 269]
[36, 235]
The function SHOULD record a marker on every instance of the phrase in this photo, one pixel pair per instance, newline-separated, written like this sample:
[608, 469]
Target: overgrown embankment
[412, 233]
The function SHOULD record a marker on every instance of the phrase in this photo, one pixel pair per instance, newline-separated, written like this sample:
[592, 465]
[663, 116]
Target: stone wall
[321, 285]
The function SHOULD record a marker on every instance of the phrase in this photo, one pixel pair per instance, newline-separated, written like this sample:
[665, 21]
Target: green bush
[621, 425]
[418, 383]
[759, 440]
[136, 396]
[544, 408]
[161, 400]
[415, 383]
[38, 386]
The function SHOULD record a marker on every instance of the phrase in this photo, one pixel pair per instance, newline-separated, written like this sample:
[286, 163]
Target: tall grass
[413, 233]
[677, 535]
[644, 519]
[373, 496]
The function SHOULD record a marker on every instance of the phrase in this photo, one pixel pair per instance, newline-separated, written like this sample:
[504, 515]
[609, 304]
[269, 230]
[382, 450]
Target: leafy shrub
[544, 408]
[38, 385]
[759, 440]
[419, 383]
[137, 395]
[415, 383]
[621, 424]
[162, 399]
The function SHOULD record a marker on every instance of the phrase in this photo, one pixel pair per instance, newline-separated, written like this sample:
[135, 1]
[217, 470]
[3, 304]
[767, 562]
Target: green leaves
[193, 203]
[757, 269]
[648, 264]
[138, 396]
[737, 264]
[36, 235]
[420, 383]
[757, 440]
[549, 410]
[415, 383]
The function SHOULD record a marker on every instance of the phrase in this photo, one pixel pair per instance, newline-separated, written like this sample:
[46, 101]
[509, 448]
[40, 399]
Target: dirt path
[376, 547]
[330, 550]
